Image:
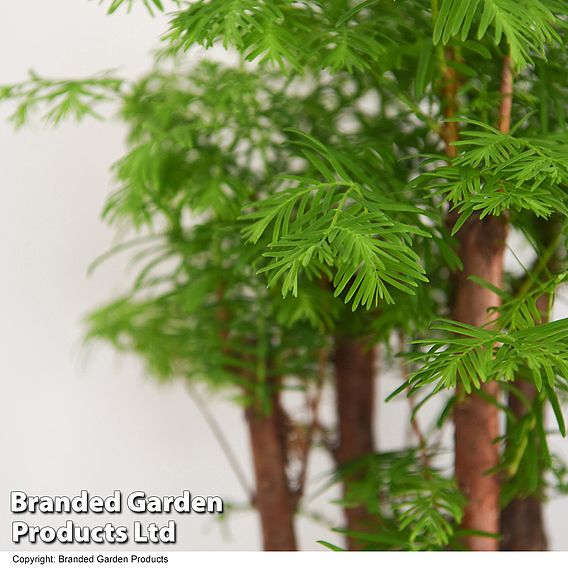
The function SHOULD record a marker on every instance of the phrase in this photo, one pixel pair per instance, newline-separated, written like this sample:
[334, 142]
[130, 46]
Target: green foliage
[528, 25]
[521, 311]
[63, 99]
[337, 35]
[340, 223]
[470, 356]
[415, 506]
[495, 172]
[152, 6]
[303, 192]
[260, 29]
[526, 457]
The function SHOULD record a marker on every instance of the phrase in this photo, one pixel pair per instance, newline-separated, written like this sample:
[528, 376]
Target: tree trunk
[273, 498]
[476, 420]
[522, 520]
[355, 390]
[523, 525]
[481, 249]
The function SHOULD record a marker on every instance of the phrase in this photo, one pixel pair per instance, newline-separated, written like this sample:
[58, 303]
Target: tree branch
[506, 95]
[222, 441]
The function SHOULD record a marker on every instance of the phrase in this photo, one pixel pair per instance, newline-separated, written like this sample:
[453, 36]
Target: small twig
[222, 441]
[327, 440]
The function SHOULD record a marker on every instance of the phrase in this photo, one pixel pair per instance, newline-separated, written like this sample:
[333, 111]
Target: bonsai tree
[347, 192]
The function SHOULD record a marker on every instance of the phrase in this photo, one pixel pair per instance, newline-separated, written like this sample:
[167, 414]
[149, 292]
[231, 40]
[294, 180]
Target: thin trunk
[522, 520]
[506, 95]
[476, 420]
[522, 525]
[450, 129]
[273, 498]
[481, 249]
[355, 390]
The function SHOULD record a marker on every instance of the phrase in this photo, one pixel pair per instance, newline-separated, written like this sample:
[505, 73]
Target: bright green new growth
[274, 199]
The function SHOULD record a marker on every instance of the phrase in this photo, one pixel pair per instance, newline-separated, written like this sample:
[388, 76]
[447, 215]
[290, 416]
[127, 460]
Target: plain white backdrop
[73, 418]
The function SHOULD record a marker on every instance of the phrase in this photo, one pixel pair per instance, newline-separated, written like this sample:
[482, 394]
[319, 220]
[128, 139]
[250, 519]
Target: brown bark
[267, 432]
[522, 525]
[522, 520]
[355, 389]
[450, 130]
[273, 498]
[506, 95]
[481, 249]
[476, 420]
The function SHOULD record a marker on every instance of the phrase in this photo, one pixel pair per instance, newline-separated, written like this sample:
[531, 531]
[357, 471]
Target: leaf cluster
[496, 173]
[527, 25]
[63, 98]
[415, 506]
[338, 222]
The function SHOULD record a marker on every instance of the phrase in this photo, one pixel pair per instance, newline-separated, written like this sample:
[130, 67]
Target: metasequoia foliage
[346, 184]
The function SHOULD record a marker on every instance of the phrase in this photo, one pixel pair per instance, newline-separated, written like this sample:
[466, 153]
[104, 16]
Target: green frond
[60, 99]
[495, 172]
[265, 31]
[471, 356]
[336, 228]
[528, 25]
[424, 507]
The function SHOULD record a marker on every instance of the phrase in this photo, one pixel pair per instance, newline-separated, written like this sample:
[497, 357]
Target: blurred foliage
[302, 192]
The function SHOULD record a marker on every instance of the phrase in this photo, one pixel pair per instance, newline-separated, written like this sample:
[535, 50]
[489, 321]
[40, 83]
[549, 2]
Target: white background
[75, 418]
